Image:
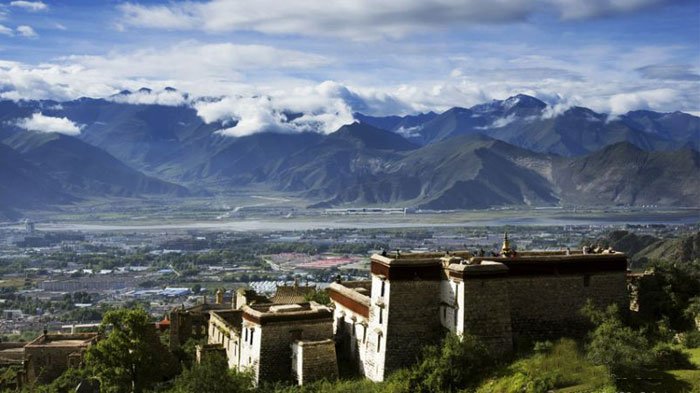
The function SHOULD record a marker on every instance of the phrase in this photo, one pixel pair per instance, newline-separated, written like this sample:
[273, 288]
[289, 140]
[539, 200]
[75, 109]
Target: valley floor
[275, 213]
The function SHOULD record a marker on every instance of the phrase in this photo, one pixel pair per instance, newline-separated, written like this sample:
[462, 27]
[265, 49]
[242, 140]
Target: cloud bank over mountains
[257, 65]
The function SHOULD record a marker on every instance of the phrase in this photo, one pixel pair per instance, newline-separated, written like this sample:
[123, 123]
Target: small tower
[219, 296]
[505, 249]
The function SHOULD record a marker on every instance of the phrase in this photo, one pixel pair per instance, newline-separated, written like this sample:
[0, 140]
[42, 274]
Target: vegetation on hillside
[644, 250]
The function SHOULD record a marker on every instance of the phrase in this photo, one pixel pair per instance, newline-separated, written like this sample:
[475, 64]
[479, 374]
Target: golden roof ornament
[505, 250]
[506, 242]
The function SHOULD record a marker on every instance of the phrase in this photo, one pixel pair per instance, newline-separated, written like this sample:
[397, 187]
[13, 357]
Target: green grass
[677, 381]
[562, 367]
[691, 377]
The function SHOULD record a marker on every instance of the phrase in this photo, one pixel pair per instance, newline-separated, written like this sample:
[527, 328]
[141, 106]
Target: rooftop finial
[506, 242]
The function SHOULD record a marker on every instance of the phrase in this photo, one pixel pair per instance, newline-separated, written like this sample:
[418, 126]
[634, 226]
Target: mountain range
[518, 151]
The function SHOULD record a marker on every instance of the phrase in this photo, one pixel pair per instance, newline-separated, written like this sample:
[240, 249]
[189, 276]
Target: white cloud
[557, 105]
[148, 97]
[32, 6]
[199, 69]
[194, 60]
[41, 123]
[4, 30]
[359, 18]
[409, 132]
[26, 31]
[252, 114]
[583, 9]
[322, 111]
[679, 72]
[648, 99]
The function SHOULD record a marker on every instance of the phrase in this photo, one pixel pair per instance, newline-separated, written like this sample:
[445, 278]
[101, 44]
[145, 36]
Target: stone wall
[203, 351]
[314, 360]
[411, 320]
[185, 325]
[549, 306]
[276, 339]
[227, 336]
[485, 313]
[44, 364]
[350, 330]
[12, 351]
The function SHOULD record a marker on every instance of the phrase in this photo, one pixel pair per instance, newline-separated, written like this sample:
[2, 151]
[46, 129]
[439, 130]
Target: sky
[330, 59]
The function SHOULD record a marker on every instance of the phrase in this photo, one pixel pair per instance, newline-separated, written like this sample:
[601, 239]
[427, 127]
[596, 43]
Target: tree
[130, 358]
[212, 375]
[67, 382]
[669, 292]
[622, 350]
[320, 297]
[437, 370]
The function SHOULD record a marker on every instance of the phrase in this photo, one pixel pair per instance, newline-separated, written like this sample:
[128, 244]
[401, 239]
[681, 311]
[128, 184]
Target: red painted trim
[288, 316]
[425, 272]
[350, 304]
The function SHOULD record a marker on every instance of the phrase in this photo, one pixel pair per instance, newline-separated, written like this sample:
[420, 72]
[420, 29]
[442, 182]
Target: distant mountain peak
[510, 104]
[524, 100]
[372, 137]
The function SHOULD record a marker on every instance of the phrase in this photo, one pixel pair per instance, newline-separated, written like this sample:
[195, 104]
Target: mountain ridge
[506, 152]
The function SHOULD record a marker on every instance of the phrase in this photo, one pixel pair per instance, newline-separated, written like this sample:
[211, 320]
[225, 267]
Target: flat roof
[63, 340]
[64, 343]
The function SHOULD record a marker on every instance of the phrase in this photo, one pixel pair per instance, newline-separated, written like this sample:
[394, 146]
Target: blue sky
[379, 56]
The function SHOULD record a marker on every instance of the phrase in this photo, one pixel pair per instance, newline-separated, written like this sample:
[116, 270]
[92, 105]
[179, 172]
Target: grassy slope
[562, 367]
[566, 370]
[692, 377]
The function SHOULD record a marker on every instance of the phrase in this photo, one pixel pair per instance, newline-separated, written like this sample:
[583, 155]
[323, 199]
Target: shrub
[668, 357]
[212, 375]
[458, 363]
[691, 339]
[622, 350]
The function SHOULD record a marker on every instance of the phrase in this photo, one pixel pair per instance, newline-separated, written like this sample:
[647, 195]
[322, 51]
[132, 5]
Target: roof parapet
[275, 313]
